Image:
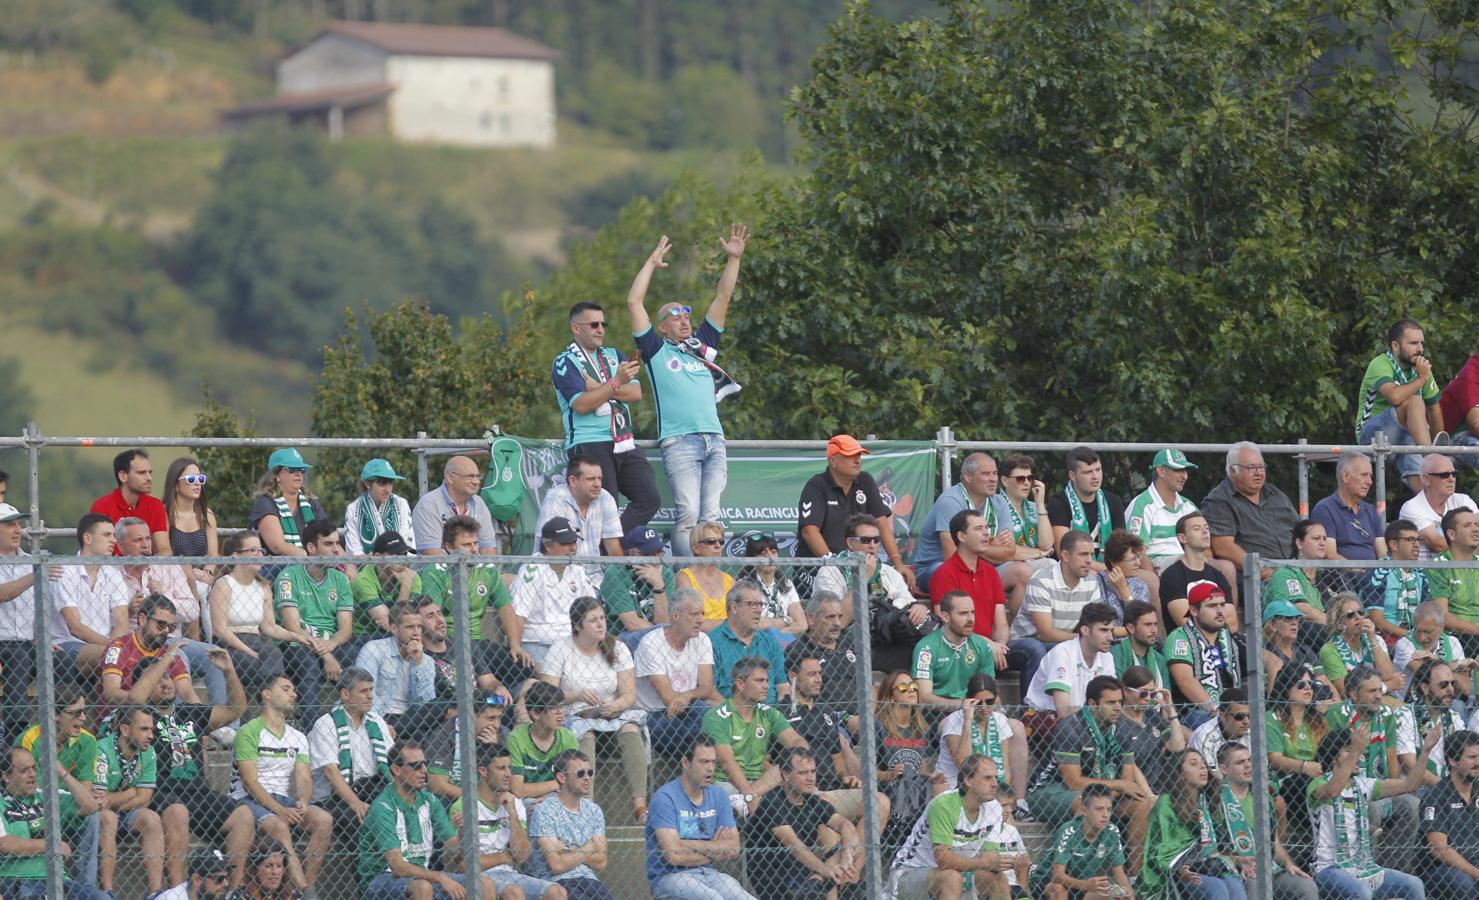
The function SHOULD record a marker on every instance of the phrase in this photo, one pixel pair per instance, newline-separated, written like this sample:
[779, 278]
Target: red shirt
[127, 658]
[984, 586]
[149, 508]
[1461, 395]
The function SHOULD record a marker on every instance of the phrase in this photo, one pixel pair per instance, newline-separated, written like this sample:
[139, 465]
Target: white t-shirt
[18, 617]
[1407, 738]
[944, 821]
[835, 581]
[323, 750]
[1208, 740]
[1343, 829]
[94, 599]
[955, 724]
[578, 672]
[1064, 667]
[655, 656]
[543, 599]
[1449, 650]
[1420, 512]
[494, 833]
[276, 756]
[178, 892]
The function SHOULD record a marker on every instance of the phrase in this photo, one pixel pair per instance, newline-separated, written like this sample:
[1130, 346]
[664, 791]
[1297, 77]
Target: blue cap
[287, 458]
[1282, 609]
[646, 541]
[378, 468]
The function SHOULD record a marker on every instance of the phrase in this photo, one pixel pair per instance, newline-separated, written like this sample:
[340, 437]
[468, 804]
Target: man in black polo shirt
[838, 769]
[831, 497]
[1450, 819]
[830, 643]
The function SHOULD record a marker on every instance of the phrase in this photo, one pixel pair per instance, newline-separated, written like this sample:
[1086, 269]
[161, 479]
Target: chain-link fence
[705, 727]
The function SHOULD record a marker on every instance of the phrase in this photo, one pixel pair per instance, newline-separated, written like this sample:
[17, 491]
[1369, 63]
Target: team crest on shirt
[851, 656]
[675, 365]
[112, 656]
[285, 587]
[333, 596]
[482, 589]
[924, 658]
[759, 732]
[860, 497]
[970, 656]
[1182, 647]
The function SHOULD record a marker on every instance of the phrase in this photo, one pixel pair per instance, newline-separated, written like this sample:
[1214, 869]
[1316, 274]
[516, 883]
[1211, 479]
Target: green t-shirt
[485, 591]
[624, 592]
[1297, 744]
[25, 817]
[536, 765]
[79, 757]
[750, 740]
[1384, 370]
[318, 602]
[369, 593]
[1338, 658]
[949, 668]
[392, 824]
[1080, 857]
[1290, 583]
[1459, 586]
[122, 774]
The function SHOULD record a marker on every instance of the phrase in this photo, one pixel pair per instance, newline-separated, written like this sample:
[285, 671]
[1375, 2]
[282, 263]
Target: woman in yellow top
[711, 582]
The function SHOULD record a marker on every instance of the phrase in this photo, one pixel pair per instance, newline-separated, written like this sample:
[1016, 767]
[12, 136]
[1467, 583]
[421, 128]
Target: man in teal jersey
[1399, 398]
[687, 386]
[594, 383]
[316, 603]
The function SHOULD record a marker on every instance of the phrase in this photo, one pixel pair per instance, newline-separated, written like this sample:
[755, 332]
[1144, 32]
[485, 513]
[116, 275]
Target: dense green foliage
[1110, 219]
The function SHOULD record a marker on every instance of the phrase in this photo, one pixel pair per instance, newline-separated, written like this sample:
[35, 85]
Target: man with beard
[210, 874]
[1399, 397]
[128, 770]
[1450, 821]
[1203, 657]
[690, 827]
[126, 658]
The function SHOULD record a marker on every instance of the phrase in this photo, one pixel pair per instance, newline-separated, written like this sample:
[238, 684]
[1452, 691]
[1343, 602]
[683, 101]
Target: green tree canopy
[1111, 219]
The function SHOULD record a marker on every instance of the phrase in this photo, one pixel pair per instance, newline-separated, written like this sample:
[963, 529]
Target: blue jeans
[76, 890]
[697, 467]
[532, 887]
[1397, 436]
[388, 887]
[1023, 656]
[673, 737]
[1338, 884]
[699, 883]
[1466, 440]
[1448, 883]
[197, 655]
[85, 850]
[1209, 888]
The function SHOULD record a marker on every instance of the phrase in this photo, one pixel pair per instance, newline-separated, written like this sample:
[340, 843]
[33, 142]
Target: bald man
[457, 496]
[687, 385]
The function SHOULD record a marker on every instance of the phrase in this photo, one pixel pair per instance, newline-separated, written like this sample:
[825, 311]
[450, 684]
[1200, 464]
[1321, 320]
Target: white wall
[331, 61]
[479, 102]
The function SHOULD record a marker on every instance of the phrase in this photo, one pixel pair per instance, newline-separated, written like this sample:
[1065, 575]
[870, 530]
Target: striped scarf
[373, 522]
[377, 744]
[289, 523]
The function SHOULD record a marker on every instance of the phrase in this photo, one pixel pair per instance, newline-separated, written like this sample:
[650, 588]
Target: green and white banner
[764, 488]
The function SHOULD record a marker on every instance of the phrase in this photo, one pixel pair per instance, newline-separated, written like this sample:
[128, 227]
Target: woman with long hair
[1296, 724]
[192, 522]
[980, 729]
[1181, 858]
[267, 874]
[905, 763]
[284, 505]
[596, 673]
[1296, 583]
[1353, 644]
[783, 613]
[711, 582]
[243, 615]
[376, 510]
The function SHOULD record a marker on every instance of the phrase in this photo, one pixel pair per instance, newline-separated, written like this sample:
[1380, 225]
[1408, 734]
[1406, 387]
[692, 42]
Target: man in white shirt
[352, 732]
[543, 593]
[1055, 597]
[91, 600]
[1439, 495]
[1060, 683]
[17, 621]
[674, 666]
[1230, 726]
[583, 502]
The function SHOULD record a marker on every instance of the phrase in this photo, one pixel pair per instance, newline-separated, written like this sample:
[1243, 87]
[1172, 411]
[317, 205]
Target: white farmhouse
[482, 87]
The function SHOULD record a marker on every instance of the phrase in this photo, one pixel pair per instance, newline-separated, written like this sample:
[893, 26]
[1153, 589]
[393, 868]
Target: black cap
[559, 530]
[390, 542]
[208, 861]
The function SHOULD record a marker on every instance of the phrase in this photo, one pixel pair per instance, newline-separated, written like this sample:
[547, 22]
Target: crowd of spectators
[332, 687]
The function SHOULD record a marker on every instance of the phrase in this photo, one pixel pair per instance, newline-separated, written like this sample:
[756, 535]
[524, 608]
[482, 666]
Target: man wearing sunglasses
[594, 385]
[126, 658]
[568, 831]
[687, 386]
[1432, 705]
[210, 878]
[405, 831]
[1437, 496]
[76, 752]
[1230, 727]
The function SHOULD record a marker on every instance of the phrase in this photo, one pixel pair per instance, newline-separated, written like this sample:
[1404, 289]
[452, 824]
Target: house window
[502, 87]
[485, 120]
[505, 125]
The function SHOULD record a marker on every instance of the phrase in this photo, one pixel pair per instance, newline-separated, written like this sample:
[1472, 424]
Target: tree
[233, 471]
[1110, 220]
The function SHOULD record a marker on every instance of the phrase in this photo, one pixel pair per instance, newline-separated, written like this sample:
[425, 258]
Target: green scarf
[290, 524]
[621, 415]
[377, 743]
[373, 522]
[1400, 375]
[1107, 747]
[1025, 533]
[1237, 833]
[1349, 656]
[987, 743]
[1081, 518]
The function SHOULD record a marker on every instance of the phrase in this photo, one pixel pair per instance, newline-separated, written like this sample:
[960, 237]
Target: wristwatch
[748, 798]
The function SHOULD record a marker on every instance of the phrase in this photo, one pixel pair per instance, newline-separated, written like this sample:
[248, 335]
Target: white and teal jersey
[944, 822]
[1150, 519]
[494, 831]
[1343, 827]
[567, 374]
[682, 386]
[277, 756]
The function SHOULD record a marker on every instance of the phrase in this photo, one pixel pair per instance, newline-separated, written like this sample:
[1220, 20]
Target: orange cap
[845, 445]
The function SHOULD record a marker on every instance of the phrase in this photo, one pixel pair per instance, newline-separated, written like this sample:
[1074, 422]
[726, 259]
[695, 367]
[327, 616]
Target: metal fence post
[1379, 470]
[466, 736]
[33, 459]
[1304, 482]
[1257, 736]
[46, 716]
[873, 872]
[421, 465]
[945, 446]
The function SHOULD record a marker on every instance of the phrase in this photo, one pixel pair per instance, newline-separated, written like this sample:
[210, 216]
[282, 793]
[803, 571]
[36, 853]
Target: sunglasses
[582, 773]
[218, 878]
[298, 469]
[592, 324]
[1306, 684]
[1446, 684]
[74, 713]
[162, 625]
[418, 765]
[710, 542]
[1451, 473]
[987, 700]
[905, 688]
[676, 311]
[870, 539]
[1240, 717]
[1022, 479]
[494, 700]
[1353, 614]
[192, 479]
